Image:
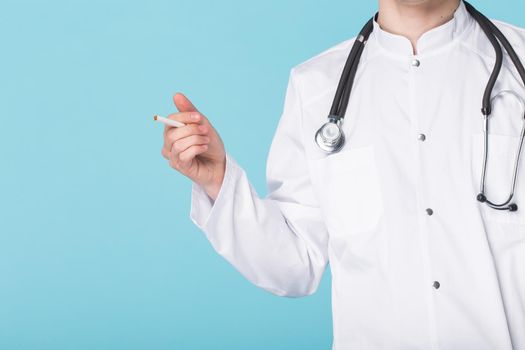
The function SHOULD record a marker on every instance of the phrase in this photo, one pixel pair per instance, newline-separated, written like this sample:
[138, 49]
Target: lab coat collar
[433, 40]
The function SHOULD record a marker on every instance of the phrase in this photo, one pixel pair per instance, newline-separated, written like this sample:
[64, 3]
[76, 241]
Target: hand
[195, 150]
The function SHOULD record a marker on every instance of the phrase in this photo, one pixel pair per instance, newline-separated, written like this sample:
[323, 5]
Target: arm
[279, 242]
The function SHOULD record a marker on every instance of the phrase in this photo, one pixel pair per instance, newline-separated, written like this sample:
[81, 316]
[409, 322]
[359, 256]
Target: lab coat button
[421, 137]
[429, 211]
[436, 284]
[415, 62]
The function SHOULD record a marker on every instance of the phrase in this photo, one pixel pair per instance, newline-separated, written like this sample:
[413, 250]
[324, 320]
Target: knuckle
[183, 157]
[202, 117]
[174, 161]
[175, 116]
[176, 147]
[185, 131]
[170, 134]
[202, 128]
[195, 139]
[174, 137]
[195, 129]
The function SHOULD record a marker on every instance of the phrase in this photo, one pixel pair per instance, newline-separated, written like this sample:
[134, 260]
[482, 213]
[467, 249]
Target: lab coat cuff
[203, 207]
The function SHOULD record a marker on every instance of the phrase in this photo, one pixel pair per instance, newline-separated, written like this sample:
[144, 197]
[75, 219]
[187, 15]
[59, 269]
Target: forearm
[254, 235]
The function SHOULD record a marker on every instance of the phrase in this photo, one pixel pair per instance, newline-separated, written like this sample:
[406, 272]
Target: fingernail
[195, 116]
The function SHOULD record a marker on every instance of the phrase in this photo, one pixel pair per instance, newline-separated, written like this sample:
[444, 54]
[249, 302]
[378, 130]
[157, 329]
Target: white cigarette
[168, 121]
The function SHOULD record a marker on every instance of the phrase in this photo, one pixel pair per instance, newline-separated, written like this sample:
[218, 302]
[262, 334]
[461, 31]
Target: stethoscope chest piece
[330, 137]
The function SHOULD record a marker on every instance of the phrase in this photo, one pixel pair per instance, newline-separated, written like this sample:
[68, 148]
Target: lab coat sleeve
[279, 242]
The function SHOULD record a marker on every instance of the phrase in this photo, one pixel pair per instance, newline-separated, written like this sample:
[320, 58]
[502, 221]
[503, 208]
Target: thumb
[183, 104]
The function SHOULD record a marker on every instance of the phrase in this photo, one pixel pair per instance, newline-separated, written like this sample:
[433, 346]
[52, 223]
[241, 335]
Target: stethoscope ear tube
[330, 136]
[350, 68]
[486, 106]
[497, 39]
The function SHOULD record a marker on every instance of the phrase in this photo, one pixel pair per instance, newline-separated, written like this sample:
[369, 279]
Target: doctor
[417, 261]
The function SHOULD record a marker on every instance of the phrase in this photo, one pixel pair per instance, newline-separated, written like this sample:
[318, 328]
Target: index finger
[187, 117]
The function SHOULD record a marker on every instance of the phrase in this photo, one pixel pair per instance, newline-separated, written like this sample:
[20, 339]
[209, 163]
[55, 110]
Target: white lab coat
[365, 209]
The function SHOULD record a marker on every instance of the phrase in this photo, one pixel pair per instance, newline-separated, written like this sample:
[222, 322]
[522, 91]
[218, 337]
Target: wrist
[214, 187]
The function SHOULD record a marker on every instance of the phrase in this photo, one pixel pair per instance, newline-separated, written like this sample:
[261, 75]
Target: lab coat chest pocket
[349, 190]
[500, 166]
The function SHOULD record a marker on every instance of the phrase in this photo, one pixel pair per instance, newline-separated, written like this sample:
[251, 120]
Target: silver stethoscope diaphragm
[330, 137]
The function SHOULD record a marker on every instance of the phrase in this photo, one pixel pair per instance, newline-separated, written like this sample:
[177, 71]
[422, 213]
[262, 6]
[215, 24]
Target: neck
[412, 18]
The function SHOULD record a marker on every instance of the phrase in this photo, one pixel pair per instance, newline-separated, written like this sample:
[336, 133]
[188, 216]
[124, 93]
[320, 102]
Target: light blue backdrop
[96, 247]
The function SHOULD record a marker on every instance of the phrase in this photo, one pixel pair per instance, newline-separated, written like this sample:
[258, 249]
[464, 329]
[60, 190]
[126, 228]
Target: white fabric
[364, 209]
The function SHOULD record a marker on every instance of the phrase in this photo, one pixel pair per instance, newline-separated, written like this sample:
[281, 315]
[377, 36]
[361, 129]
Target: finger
[188, 117]
[174, 134]
[165, 153]
[183, 144]
[191, 152]
[183, 104]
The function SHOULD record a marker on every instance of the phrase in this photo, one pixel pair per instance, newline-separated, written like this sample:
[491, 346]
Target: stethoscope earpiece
[481, 198]
[330, 137]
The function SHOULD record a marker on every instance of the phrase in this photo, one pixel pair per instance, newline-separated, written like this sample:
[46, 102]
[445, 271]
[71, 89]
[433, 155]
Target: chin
[412, 2]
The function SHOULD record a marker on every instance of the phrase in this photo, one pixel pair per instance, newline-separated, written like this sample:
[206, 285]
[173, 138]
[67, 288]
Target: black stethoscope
[330, 137]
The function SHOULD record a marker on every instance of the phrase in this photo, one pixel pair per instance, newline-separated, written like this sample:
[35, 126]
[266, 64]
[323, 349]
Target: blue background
[97, 250]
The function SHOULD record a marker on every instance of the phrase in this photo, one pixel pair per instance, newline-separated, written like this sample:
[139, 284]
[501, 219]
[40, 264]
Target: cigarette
[168, 121]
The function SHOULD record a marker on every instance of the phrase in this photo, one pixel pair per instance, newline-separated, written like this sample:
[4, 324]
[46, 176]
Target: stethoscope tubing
[346, 82]
[504, 205]
[344, 87]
